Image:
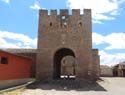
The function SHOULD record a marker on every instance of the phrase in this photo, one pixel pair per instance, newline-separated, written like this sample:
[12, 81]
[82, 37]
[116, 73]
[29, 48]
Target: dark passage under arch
[59, 55]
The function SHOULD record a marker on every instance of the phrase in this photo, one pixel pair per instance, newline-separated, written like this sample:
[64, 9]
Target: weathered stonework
[62, 35]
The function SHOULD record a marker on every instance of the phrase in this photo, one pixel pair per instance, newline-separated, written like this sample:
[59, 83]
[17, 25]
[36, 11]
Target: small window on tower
[80, 23]
[50, 23]
[63, 17]
[4, 60]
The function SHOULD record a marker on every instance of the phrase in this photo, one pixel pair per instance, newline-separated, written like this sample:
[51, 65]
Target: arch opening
[64, 64]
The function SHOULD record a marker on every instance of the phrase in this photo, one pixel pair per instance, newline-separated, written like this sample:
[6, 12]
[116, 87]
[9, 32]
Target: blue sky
[19, 24]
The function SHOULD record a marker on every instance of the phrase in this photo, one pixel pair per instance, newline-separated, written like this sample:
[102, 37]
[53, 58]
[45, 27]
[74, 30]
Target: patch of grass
[14, 92]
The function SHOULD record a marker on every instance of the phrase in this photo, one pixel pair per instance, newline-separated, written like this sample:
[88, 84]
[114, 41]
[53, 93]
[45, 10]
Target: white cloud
[100, 8]
[17, 40]
[97, 21]
[115, 40]
[111, 59]
[97, 38]
[115, 12]
[36, 6]
[6, 1]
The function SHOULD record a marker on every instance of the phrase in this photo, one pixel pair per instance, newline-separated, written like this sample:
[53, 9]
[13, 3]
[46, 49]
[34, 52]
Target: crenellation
[64, 12]
[53, 12]
[43, 12]
[76, 12]
[87, 14]
[87, 11]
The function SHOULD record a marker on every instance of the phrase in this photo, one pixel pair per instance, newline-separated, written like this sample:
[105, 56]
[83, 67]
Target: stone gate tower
[66, 40]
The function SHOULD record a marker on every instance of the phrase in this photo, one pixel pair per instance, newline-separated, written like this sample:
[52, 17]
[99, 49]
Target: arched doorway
[63, 55]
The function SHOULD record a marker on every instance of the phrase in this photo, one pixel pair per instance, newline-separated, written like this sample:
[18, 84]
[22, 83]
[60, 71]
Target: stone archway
[63, 57]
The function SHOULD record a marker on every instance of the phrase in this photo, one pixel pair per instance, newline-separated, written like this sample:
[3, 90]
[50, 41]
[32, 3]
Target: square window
[4, 60]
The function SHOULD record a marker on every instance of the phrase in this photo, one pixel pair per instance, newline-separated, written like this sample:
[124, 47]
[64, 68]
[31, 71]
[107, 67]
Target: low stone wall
[10, 83]
[106, 71]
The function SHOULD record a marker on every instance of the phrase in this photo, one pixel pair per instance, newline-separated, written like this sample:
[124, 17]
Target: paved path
[109, 86]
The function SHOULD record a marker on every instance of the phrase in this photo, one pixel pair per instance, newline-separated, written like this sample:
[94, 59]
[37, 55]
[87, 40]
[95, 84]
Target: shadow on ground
[66, 85]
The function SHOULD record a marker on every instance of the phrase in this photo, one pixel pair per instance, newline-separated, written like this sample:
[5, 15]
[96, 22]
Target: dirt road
[109, 86]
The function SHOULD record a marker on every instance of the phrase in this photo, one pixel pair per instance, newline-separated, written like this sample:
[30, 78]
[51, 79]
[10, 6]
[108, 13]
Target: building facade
[119, 70]
[30, 53]
[14, 66]
[66, 39]
[106, 71]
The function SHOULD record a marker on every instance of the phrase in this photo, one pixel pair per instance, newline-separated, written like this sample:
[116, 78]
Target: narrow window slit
[50, 23]
[80, 23]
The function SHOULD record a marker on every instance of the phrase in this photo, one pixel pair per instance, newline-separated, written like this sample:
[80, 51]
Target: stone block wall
[58, 31]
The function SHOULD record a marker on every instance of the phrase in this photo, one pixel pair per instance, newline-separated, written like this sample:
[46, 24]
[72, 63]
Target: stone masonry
[61, 35]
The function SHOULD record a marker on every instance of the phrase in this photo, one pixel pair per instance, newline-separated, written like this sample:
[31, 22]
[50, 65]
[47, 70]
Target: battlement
[64, 12]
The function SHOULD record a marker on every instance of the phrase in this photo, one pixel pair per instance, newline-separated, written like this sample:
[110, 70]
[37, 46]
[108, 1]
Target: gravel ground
[108, 86]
